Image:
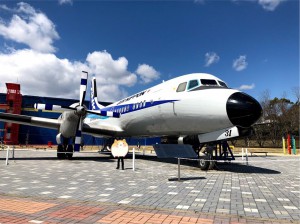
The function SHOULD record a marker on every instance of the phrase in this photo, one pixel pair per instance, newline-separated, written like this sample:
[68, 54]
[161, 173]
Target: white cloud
[199, 1]
[27, 26]
[247, 87]
[110, 71]
[211, 58]
[270, 5]
[40, 72]
[240, 63]
[110, 93]
[147, 73]
[43, 74]
[61, 2]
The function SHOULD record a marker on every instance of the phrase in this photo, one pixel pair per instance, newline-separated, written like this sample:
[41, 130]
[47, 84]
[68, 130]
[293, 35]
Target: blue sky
[132, 45]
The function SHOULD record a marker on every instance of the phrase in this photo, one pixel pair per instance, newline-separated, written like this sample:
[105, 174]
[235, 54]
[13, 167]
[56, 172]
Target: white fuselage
[164, 110]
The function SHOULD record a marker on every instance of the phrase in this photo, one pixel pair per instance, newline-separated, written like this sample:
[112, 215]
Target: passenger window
[192, 84]
[181, 87]
[209, 82]
[222, 84]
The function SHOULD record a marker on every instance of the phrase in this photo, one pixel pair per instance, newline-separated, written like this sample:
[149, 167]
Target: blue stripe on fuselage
[129, 108]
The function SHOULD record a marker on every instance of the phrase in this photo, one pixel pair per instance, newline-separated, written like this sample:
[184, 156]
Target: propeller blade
[78, 136]
[83, 85]
[81, 110]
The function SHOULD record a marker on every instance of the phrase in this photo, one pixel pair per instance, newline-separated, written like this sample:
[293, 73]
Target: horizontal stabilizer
[174, 151]
[50, 107]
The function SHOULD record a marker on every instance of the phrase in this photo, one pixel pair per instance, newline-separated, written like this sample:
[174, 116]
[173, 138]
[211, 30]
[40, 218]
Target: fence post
[133, 159]
[178, 169]
[7, 156]
[13, 152]
[247, 157]
[242, 153]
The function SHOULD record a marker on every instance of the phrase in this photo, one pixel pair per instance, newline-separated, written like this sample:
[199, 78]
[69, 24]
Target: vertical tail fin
[94, 104]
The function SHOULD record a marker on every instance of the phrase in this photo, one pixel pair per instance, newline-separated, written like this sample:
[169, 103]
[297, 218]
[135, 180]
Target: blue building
[30, 135]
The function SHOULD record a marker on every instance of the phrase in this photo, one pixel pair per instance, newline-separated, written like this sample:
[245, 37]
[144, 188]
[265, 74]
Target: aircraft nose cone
[242, 109]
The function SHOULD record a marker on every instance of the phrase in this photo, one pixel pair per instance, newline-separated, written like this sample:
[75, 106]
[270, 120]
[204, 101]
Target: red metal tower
[14, 103]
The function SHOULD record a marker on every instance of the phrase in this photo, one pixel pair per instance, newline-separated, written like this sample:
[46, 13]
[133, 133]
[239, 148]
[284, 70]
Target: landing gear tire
[60, 152]
[212, 165]
[69, 154]
[204, 163]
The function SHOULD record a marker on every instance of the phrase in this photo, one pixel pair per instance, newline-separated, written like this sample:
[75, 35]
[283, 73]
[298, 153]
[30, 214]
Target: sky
[253, 45]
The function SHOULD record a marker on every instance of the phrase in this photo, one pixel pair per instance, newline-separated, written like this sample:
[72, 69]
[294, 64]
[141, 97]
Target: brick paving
[37, 188]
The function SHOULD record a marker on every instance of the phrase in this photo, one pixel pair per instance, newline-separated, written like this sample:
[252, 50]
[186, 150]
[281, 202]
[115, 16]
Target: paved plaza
[38, 188]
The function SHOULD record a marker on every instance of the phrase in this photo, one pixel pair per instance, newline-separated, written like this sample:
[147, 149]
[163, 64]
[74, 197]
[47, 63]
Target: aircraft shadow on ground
[186, 178]
[81, 158]
[228, 167]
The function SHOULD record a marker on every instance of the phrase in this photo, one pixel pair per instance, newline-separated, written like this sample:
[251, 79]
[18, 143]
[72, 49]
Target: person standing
[120, 158]
[119, 149]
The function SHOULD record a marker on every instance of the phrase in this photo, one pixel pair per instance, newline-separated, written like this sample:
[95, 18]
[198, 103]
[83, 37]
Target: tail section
[94, 104]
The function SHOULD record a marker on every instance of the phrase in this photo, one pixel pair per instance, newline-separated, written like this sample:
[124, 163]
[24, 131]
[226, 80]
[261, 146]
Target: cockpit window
[181, 87]
[209, 82]
[222, 84]
[192, 84]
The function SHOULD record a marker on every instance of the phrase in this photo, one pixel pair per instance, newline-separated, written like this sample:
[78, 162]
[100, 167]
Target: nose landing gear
[212, 153]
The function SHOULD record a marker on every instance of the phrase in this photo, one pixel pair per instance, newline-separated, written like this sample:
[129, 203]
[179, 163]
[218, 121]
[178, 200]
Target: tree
[281, 116]
[296, 93]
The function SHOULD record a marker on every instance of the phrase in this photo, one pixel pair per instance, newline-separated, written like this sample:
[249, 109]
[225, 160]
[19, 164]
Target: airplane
[190, 109]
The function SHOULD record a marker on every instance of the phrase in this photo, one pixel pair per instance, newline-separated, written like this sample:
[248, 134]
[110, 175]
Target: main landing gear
[65, 150]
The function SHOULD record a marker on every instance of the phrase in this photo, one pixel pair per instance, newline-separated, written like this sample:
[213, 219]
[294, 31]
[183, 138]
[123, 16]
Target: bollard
[289, 144]
[178, 169]
[133, 159]
[294, 145]
[283, 145]
[7, 155]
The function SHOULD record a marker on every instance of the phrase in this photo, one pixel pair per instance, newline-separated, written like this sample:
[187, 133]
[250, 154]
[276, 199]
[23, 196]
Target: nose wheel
[212, 153]
[206, 161]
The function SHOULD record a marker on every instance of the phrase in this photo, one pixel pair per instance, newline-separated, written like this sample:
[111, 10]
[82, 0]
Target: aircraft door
[156, 114]
[168, 116]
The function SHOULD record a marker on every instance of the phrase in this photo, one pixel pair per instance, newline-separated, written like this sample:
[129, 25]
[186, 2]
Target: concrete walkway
[37, 188]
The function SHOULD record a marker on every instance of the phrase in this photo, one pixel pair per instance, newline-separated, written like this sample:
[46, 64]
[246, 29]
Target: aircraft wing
[32, 121]
[55, 124]
[101, 131]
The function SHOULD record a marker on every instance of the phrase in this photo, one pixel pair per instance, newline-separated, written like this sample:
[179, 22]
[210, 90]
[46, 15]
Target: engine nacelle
[69, 124]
